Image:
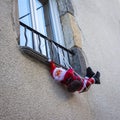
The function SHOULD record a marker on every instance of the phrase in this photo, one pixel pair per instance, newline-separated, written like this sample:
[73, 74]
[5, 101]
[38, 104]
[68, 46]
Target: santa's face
[58, 72]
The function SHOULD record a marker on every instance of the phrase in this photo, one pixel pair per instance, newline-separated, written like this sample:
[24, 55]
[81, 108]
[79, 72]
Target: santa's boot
[89, 73]
[97, 77]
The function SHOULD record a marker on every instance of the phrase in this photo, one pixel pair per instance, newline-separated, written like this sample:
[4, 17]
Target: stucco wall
[27, 91]
[99, 22]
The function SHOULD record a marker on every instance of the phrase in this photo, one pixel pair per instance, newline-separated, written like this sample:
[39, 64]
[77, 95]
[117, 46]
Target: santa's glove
[97, 77]
[89, 73]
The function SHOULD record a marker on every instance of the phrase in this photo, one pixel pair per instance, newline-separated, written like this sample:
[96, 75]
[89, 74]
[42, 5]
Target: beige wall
[27, 91]
[99, 22]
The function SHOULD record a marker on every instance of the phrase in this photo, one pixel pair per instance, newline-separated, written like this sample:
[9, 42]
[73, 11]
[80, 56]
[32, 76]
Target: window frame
[75, 49]
[55, 20]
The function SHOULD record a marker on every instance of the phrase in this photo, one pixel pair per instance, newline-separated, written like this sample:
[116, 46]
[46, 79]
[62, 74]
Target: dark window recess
[46, 48]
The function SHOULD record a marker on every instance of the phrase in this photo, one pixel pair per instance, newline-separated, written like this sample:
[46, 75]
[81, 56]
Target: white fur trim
[59, 76]
[84, 85]
[86, 77]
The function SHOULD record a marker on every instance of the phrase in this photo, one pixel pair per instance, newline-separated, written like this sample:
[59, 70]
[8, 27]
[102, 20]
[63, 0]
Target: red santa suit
[64, 76]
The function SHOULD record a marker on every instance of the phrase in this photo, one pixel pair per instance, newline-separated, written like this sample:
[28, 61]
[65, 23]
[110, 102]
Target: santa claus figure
[73, 81]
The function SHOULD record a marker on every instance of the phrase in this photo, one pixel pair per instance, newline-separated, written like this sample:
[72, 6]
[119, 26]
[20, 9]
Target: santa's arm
[52, 66]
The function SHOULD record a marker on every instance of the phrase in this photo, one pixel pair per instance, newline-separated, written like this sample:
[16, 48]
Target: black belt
[69, 80]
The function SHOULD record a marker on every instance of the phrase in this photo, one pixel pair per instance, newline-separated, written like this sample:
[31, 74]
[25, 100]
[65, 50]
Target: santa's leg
[97, 77]
[91, 80]
[89, 72]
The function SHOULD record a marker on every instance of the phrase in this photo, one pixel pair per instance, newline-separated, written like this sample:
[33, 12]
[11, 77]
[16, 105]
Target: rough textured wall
[27, 91]
[99, 22]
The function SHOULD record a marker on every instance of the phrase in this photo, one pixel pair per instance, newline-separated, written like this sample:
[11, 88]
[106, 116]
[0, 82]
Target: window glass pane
[40, 22]
[24, 12]
[40, 18]
[55, 21]
[25, 17]
[44, 19]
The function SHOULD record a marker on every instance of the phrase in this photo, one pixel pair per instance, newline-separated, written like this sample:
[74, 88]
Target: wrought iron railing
[36, 44]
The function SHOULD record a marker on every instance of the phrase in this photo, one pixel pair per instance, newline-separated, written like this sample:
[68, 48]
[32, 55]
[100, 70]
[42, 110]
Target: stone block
[78, 61]
[65, 6]
[71, 31]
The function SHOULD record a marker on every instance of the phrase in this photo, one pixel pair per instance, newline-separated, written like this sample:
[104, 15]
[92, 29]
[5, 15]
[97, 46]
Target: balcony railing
[41, 47]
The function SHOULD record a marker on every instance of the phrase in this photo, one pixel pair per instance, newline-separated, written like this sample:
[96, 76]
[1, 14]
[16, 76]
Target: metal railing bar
[58, 54]
[31, 29]
[68, 55]
[33, 44]
[25, 36]
[46, 47]
[63, 56]
[51, 50]
[39, 44]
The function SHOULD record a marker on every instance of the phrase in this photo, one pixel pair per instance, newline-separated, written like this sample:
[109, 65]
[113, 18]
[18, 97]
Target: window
[41, 30]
